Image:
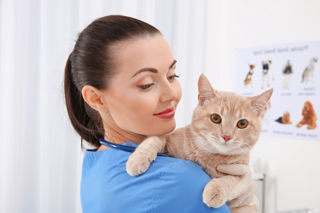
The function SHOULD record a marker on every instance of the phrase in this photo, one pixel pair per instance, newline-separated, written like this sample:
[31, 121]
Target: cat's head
[225, 122]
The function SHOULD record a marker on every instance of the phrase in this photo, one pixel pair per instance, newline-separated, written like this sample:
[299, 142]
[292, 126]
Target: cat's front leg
[249, 208]
[216, 192]
[145, 154]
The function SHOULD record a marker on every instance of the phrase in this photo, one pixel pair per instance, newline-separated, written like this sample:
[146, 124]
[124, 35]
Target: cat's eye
[242, 124]
[215, 118]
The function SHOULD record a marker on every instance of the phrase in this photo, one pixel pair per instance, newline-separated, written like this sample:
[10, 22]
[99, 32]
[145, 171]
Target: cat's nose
[226, 138]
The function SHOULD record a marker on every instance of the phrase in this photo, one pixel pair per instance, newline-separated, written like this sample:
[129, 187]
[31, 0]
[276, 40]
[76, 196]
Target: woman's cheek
[142, 105]
[179, 91]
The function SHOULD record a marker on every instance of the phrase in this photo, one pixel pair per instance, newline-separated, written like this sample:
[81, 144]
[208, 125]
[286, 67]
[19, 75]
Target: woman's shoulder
[169, 185]
[114, 160]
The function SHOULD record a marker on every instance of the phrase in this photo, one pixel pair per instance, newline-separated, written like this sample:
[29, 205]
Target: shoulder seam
[154, 191]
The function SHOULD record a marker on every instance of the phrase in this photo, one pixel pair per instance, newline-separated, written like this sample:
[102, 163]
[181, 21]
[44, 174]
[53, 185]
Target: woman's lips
[168, 113]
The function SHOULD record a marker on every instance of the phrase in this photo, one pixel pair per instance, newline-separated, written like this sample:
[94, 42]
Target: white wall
[292, 166]
[40, 155]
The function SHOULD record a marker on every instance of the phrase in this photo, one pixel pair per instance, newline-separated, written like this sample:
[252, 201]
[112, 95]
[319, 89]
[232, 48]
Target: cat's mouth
[232, 146]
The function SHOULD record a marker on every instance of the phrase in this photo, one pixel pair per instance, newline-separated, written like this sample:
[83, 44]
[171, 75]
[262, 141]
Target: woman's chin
[165, 128]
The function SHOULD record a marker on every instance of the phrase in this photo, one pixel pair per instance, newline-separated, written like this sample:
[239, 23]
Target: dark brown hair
[92, 63]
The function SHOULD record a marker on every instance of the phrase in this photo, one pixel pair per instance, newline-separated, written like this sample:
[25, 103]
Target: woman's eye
[173, 76]
[145, 87]
[215, 118]
[242, 124]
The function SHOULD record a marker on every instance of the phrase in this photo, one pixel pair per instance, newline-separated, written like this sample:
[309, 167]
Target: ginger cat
[224, 128]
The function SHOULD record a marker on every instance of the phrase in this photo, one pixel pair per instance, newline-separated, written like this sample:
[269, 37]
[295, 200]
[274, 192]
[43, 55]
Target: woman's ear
[93, 97]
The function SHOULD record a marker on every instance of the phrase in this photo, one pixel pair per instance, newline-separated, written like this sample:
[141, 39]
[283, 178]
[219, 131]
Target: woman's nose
[169, 93]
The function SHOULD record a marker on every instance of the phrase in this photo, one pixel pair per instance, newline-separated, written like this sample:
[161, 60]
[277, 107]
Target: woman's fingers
[245, 187]
[233, 169]
[249, 196]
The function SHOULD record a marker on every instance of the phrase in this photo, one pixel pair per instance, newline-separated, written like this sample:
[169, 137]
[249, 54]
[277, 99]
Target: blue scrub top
[169, 185]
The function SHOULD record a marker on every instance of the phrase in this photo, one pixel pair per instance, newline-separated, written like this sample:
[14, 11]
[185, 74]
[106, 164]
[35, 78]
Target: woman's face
[144, 85]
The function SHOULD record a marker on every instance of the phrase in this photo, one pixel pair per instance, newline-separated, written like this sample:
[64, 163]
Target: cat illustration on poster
[307, 74]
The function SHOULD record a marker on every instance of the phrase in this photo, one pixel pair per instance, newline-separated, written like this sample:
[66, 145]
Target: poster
[293, 71]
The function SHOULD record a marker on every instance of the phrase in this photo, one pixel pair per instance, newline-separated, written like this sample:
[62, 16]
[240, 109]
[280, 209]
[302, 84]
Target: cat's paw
[213, 195]
[236, 202]
[138, 163]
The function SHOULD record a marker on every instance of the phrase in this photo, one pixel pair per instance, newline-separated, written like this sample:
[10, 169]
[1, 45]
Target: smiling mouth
[165, 111]
[168, 113]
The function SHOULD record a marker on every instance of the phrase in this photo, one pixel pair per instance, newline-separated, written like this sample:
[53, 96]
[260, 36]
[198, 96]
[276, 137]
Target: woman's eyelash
[144, 87]
[173, 76]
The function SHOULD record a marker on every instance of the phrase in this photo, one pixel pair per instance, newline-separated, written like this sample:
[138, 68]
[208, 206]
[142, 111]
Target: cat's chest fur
[180, 145]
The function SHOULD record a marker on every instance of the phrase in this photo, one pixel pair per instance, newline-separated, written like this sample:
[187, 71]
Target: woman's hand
[246, 187]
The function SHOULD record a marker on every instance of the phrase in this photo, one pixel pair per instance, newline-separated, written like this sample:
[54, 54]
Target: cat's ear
[206, 92]
[259, 102]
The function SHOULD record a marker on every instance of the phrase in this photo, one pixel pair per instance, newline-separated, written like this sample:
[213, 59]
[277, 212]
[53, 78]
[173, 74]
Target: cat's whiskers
[238, 146]
[203, 144]
[237, 143]
[246, 144]
[240, 150]
[243, 147]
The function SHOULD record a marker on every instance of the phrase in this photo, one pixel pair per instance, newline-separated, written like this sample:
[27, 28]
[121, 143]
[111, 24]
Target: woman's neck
[114, 134]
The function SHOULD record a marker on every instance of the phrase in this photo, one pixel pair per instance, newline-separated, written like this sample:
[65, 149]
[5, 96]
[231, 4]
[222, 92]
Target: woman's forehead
[146, 52]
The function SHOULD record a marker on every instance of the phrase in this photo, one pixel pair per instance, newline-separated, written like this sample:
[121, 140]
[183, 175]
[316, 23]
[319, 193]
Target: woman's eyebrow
[152, 69]
[174, 62]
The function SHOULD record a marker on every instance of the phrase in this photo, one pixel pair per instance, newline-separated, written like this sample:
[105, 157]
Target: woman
[118, 78]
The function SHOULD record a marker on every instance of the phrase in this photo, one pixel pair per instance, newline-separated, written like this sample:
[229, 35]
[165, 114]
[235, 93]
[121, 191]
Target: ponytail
[84, 120]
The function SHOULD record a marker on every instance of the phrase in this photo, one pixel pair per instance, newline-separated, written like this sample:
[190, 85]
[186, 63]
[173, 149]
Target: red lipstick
[168, 113]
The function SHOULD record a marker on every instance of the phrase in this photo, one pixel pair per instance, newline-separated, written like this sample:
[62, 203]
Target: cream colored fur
[201, 142]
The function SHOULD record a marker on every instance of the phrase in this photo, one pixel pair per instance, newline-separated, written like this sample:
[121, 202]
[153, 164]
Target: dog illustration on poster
[248, 79]
[266, 109]
[285, 119]
[287, 74]
[307, 74]
[309, 116]
[267, 70]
